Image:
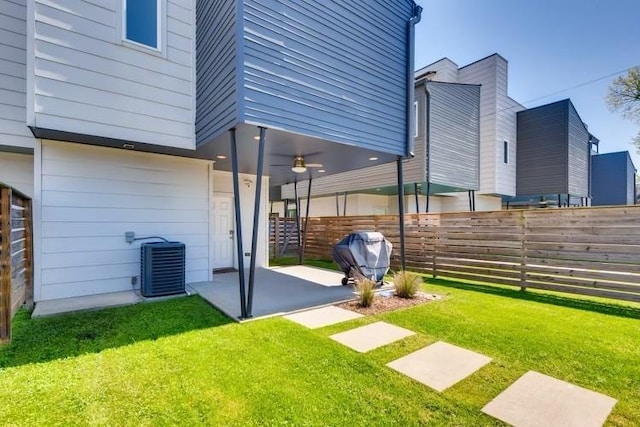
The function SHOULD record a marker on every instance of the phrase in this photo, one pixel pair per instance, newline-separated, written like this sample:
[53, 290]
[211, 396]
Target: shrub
[407, 284]
[366, 290]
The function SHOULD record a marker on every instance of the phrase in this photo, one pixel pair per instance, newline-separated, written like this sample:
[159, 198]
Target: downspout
[427, 137]
[417, 14]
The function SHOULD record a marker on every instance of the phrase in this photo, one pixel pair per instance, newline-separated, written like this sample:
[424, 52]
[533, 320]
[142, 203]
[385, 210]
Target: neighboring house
[117, 116]
[613, 179]
[465, 140]
[554, 149]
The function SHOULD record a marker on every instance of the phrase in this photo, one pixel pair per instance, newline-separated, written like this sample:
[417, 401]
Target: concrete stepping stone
[440, 365]
[368, 337]
[539, 400]
[323, 316]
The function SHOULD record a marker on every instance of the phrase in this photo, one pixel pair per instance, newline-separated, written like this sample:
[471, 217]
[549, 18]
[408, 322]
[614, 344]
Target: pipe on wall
[417, 14]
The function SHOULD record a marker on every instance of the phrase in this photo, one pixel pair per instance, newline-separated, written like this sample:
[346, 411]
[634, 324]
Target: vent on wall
[162, 268]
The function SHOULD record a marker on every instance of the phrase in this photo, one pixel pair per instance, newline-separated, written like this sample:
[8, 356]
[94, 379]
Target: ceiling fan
[299, 165]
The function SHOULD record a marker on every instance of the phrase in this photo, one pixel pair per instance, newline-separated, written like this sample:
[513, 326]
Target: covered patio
[278, 290]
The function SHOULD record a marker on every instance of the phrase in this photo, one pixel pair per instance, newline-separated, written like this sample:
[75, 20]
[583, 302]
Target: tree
[624, 97]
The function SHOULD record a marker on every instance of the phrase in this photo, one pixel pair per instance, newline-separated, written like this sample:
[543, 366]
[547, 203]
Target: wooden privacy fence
[283, 236]
[590, 251]
[16, 268]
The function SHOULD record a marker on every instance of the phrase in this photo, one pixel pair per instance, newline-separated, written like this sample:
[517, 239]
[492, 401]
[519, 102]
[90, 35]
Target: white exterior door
[223, 231]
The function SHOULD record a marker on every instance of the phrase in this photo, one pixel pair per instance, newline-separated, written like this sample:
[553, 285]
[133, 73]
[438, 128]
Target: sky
[552, 47]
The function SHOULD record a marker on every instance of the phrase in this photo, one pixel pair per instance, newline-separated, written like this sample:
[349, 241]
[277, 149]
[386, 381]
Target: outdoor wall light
[373, 158]
[221, 157]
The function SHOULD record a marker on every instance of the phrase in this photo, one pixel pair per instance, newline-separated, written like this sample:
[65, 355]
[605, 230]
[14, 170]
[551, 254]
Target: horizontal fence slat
[603, 293]
[592, 265]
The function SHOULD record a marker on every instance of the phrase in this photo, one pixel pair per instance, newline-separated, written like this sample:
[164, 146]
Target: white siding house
[86, 78]
[90, 196]
[497, 124]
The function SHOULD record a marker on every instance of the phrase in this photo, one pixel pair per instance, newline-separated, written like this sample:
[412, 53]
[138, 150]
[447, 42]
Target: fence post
[434, 258]
[523, 260]
[28, 234]
[276, 235]
[5, 264]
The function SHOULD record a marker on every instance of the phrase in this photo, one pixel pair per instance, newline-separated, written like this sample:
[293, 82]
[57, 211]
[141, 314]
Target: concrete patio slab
[440, 365]
[277, 290]
[539, 400]
[323, 316]
[369, 337]
[320, 276]
[89, 302]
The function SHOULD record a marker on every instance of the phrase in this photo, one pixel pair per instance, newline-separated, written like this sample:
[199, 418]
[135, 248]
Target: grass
[181, 362]
[45, 339]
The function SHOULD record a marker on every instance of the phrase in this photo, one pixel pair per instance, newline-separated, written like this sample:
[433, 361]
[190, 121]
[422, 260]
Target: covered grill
[363, 254]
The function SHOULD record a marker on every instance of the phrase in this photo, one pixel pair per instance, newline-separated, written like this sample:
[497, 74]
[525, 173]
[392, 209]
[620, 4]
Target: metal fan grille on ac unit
[162, 268]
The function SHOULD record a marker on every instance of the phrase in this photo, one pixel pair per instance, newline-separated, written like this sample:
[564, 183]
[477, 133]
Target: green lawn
[181, 362]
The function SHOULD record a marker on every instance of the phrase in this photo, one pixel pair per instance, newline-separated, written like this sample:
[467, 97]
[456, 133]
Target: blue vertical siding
[454, 135]
[332, 70]
[612, 179]
[542, 152]
[216, 68]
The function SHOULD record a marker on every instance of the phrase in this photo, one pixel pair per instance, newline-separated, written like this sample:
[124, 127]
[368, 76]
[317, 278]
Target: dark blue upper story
[553, 151]
[613, 179]
[334, 71]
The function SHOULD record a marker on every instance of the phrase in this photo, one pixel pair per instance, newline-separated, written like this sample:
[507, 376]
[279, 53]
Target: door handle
[231, 234]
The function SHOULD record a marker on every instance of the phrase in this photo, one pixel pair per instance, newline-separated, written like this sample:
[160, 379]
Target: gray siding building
[302, 70]
[453, 135]
[613, 180]
[554, 147]
[446, 148]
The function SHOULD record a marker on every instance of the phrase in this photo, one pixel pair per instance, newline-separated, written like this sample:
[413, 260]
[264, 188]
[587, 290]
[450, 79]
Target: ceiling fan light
[298, 165]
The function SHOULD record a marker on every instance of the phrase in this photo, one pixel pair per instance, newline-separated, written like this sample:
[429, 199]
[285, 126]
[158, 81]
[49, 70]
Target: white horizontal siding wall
[90, 196]
[87, 81]
[16, 170]
[459, 202]
[445, 71]
[384, 175]
[357, 204]
[484, 72]
[13, 72]
[507, 131]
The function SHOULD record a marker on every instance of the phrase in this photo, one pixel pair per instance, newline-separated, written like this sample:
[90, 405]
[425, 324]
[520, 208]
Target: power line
[586, 83]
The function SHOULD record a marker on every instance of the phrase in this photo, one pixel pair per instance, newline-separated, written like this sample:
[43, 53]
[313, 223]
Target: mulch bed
[387, 301]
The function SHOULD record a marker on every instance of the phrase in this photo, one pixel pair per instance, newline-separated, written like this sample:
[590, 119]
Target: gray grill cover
[368, 253]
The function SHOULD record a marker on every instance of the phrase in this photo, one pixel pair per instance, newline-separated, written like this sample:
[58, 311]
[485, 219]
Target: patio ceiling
[281, 148]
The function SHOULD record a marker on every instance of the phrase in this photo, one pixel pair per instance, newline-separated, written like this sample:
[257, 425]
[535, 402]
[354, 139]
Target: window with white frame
[416, 116]
[142, 23]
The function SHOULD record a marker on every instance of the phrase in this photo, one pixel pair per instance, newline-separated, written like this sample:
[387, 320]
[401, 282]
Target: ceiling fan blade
[296, 154]
[281, 166]
[314, 165]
